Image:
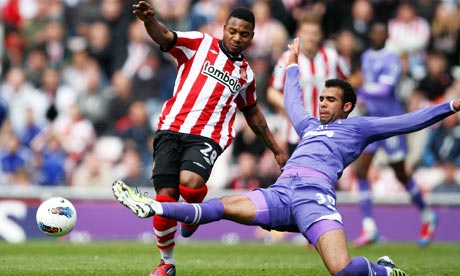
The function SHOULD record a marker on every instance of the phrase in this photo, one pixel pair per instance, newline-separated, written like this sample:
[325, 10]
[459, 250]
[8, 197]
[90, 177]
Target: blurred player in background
[381, 69]
[317, 63]
[196, 123]
[303, 198]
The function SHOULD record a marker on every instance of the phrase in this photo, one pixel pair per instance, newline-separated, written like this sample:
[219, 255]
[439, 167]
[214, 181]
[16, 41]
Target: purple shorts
[395, 147]
[297, 203]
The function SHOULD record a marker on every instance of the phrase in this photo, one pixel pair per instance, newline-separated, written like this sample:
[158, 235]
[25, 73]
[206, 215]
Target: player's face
[378, 36]
[331, 105]
[310, 36]
[237, 36]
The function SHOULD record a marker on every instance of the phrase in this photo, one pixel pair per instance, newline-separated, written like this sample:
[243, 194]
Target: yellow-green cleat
[140, 205]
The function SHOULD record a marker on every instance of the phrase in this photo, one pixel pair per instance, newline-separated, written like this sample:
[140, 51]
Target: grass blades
[58, 257]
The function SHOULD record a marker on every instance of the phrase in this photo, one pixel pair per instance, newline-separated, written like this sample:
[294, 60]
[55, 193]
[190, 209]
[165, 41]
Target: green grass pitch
[58, 257]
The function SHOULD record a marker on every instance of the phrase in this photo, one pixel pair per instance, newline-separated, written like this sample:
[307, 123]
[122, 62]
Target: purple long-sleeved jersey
[332, 147]
[381, 73]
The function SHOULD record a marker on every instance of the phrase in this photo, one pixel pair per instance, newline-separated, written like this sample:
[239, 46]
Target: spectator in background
[347, 47]
[443, 150]
[83, 15]
[133, 171]
[381, 69]
[14, 49]
[131, 57]
[445, 33]
[35, 65]
[15, 161]
[270, 36]
[118, 19]
[138, 134]
[94, 103]
[21, 96]
[54, 43]
[78, 71]
[91, 172]
[121, 100]
[359, 23]
[100, 47]
[51, 160]
[246, 154]
[58, 96]
[246, 175]
[75, 133]
[178, 15]
[153, 81]
[317, 63]
[34, 22]
[432, 88]
[30, 130]
[214, 27]
[410, 33]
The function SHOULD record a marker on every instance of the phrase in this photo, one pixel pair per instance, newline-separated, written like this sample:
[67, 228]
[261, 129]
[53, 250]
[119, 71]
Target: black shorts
[174, 152]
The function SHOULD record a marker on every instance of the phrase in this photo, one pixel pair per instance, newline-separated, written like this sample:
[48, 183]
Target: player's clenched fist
[144, 11]
[456, 105]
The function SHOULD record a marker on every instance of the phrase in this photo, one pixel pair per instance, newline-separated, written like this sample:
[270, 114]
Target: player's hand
[281, 158]
[293, 53]
[144, 11]
[456, 105]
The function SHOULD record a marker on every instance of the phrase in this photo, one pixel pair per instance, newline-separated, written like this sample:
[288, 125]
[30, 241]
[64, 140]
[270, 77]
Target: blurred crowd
[82, 84]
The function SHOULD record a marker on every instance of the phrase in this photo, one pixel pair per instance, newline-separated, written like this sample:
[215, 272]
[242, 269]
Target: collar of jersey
[230, 56]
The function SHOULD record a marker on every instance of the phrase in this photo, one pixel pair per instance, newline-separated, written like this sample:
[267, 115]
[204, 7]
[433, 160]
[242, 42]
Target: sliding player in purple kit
[381, 73]
[303, 198]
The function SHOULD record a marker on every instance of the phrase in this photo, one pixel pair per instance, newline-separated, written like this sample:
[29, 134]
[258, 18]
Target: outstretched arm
[157, 31]
[258, 124]
[293, 103]
[384, 127]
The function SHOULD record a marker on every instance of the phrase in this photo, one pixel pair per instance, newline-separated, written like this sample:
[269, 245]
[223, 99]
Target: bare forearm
[159, 33]
[259, 126]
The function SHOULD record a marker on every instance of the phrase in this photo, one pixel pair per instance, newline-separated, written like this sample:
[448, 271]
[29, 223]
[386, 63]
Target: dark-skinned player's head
[238, 30]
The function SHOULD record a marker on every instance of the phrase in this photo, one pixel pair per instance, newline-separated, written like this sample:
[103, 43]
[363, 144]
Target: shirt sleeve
[379, 128]
[186, 45]
[300, 118]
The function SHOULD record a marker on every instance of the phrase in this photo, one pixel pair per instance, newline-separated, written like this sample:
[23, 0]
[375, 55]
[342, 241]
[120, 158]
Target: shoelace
[139, 192]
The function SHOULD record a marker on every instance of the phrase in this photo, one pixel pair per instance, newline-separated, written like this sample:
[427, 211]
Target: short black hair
[244, 14]
[349, 94]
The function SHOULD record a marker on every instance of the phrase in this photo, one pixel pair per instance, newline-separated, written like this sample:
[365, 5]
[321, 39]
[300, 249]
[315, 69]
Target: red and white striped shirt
[209, 87]
[408, 37]
[326, 64]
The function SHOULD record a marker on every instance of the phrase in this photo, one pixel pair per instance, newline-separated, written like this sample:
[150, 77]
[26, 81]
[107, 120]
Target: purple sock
[360, 266]
[194, 213]
[365, 200]
[415, 194]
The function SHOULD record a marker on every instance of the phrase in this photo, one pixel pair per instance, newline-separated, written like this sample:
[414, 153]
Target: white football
[56, 216]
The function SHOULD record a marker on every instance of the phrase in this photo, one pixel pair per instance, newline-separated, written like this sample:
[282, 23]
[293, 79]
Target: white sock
[168, 255]
[427, 214]
[156, 206]
[369, 225]
[389, 271]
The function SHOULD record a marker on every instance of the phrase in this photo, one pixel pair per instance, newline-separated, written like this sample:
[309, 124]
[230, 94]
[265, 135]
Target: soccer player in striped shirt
[317, 63]
[303, 197]
[214, 80]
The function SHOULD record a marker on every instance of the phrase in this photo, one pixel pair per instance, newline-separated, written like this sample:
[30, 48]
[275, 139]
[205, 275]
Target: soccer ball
[56, 216]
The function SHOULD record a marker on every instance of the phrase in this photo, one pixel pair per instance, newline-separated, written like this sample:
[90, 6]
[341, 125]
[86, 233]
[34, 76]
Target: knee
[191, 180]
